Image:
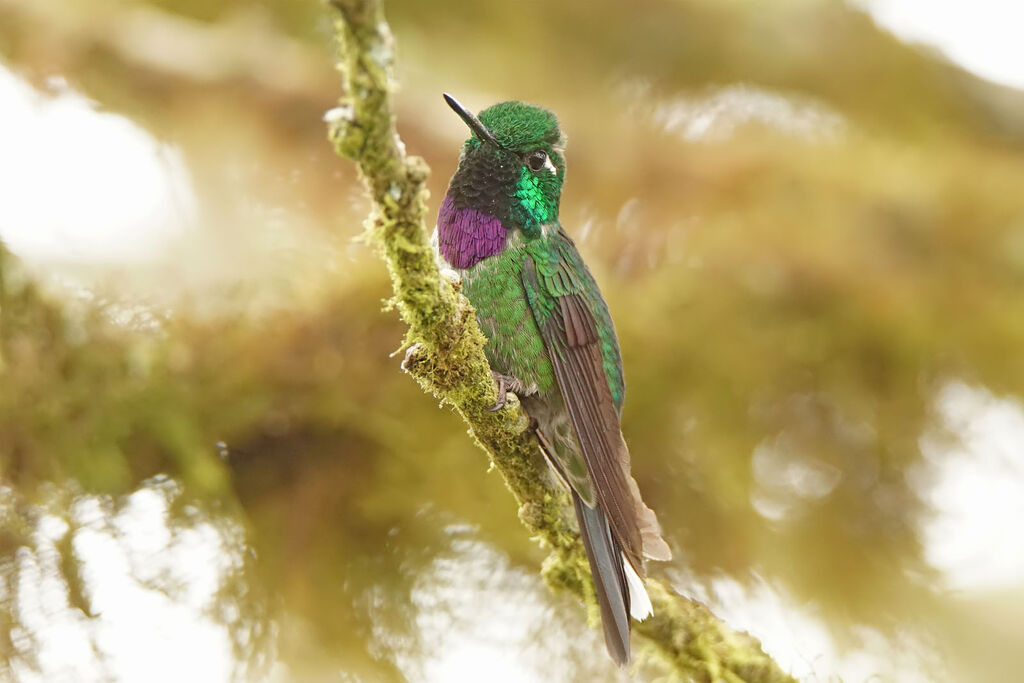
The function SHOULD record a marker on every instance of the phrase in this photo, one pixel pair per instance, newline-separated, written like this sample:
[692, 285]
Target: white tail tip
[639, 603]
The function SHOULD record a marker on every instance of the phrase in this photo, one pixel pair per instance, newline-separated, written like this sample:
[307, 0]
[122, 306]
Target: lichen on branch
[445, 355]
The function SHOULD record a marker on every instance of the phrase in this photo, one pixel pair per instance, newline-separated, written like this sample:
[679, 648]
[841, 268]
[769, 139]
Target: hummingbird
[550, 340]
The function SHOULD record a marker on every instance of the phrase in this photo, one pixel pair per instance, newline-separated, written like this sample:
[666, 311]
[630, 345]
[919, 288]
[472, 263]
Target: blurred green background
[811, 238]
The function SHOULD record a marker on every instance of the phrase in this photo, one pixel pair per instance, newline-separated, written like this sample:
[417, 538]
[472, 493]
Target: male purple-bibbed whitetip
[550, 340]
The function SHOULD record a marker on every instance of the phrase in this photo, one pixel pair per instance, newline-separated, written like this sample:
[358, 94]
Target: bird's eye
[537, 160]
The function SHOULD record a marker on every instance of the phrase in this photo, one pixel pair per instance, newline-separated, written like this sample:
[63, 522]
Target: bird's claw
[503, 384]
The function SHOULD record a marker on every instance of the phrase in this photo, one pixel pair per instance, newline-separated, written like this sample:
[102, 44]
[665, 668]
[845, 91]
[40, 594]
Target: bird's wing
[555, 290]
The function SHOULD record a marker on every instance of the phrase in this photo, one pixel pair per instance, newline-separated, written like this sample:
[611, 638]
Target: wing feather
[573, 344]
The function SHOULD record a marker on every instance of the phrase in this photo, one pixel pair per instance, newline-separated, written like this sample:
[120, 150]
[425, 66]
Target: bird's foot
[504, 382]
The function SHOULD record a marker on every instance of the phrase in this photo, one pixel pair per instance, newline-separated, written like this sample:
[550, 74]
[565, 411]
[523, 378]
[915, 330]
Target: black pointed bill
[471, 121]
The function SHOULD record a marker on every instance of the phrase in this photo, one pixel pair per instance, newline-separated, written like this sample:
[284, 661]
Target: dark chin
[485, 181]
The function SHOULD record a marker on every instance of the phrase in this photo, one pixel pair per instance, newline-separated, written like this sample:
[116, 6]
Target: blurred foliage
[783, 298]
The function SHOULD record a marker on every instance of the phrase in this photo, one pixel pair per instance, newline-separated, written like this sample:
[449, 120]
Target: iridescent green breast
[514, 346]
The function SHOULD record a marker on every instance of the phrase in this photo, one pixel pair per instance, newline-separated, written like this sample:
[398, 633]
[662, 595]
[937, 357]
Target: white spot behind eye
[548, 164]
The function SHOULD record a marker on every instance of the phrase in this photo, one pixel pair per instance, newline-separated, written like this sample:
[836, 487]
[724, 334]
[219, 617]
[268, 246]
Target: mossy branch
[445, 355]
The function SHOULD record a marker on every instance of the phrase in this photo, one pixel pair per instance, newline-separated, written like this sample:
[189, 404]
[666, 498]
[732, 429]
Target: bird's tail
[607, 566]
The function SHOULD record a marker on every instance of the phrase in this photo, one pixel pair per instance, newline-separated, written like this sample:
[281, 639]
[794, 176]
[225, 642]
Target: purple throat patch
[466, 236]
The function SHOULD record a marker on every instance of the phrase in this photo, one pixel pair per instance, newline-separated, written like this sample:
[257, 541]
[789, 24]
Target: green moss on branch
[445, 355]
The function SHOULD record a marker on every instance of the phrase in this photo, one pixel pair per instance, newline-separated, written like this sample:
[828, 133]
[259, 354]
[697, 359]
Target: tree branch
[445, 355]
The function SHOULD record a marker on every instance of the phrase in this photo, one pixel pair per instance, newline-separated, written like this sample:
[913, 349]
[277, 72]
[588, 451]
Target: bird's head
[512, 166]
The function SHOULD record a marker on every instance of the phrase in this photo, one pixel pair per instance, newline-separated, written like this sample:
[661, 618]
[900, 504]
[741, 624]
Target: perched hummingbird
[550, 339]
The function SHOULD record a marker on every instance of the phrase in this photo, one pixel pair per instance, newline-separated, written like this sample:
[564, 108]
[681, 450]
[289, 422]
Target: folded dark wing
[571, 337]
